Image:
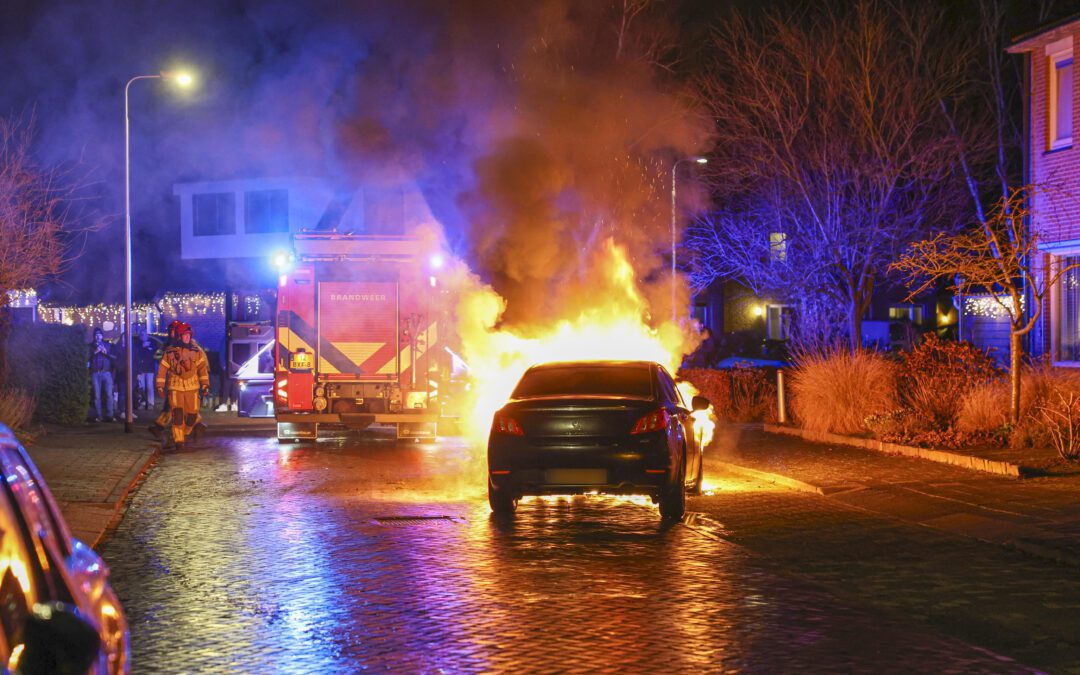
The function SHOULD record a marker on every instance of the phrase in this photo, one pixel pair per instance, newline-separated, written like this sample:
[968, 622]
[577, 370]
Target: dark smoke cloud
[530, 132]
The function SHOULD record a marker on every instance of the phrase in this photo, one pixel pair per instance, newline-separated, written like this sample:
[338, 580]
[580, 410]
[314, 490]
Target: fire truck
[358, 338]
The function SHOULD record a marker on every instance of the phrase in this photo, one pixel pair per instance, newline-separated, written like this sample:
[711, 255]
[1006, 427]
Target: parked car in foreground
[615, 427]
[58, 612]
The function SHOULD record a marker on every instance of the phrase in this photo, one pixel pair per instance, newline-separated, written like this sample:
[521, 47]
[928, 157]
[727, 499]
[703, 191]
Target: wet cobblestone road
[246, 556]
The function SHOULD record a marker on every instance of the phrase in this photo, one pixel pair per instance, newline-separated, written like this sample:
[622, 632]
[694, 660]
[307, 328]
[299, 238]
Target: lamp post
[696, 160]
[183, 80]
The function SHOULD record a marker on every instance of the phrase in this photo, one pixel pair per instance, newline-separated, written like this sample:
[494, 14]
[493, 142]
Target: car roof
[592, 362]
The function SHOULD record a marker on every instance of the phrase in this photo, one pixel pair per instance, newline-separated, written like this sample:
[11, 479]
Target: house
[1052, 163]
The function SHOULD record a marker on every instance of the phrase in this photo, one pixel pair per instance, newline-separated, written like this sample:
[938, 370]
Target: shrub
[984, 409]
[1060, 417]
[739, 394]
[936, 376]
[836, 390]
[50, 361]
[1045, 408]
[16, 408]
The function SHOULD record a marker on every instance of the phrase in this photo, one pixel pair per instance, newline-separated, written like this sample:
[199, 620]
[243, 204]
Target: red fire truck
[358, 338]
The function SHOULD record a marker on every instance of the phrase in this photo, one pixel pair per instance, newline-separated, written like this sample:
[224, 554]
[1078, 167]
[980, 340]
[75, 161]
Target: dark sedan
[616, 427]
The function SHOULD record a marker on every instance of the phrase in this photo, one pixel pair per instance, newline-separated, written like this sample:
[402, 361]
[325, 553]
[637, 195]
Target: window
[1068, 319]
[777, 322]
[1060, 106]
[215, 213]
[266, 211]
[778, 246]
[598, 380]
[912, 313]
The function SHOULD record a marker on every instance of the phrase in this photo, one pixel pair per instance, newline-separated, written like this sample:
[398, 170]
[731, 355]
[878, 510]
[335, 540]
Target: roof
[1023, 42]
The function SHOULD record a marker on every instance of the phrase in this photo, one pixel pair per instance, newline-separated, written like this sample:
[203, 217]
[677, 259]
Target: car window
[634, 380]
[669, 386]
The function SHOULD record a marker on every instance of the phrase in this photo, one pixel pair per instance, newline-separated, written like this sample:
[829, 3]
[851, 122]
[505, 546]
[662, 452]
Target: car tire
[502, 503]
[673, 498]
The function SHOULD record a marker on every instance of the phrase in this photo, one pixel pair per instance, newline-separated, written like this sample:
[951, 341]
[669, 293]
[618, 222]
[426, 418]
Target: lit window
[778, 322]
[1060, 106]
[215, 213]
[912, 313]
[266, 211]
[778, 246]
[1068, 318]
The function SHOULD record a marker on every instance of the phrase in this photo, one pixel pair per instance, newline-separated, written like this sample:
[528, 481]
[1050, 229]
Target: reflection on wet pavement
[244, 556]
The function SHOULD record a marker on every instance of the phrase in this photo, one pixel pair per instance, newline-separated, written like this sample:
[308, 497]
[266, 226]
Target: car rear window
[634, 381]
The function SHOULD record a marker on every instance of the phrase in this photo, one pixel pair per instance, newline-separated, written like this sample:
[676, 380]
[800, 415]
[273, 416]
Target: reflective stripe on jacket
[183, 368]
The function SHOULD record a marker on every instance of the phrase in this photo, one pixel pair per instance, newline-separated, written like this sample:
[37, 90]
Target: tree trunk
[855, 320]
[1016, 354]
[5, 332]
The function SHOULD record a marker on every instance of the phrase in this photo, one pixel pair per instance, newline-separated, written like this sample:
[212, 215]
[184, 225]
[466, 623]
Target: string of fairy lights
[110, 316]
[987, 307]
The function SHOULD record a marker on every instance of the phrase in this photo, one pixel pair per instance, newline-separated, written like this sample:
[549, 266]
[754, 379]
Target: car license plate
[575, 476]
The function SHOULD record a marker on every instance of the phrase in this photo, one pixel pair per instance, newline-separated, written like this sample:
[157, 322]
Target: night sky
[447, 94]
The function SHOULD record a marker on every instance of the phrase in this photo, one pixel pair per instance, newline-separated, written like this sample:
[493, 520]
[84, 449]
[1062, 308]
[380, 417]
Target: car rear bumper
[639, 465]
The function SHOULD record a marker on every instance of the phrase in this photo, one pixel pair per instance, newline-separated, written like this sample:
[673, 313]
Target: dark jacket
[102, 363]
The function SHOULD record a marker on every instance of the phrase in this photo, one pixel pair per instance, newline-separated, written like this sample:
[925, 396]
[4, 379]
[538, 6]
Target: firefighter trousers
[166, 416]
[184, 407]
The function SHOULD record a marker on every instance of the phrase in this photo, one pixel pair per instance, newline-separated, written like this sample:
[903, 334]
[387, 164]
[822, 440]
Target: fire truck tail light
[657, 420]
[281, 389]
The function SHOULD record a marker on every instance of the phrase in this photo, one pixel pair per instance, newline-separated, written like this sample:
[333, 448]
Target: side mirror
[700, 403]
[58, 640]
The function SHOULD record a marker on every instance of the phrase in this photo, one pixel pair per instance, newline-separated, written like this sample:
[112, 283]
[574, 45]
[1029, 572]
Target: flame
[611, 324]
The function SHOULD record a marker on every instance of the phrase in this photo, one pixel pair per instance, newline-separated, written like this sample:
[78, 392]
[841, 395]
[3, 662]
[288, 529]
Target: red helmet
[184, 328]
[174, 327]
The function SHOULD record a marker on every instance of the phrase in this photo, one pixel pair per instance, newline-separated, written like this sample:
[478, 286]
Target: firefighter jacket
[183, 368]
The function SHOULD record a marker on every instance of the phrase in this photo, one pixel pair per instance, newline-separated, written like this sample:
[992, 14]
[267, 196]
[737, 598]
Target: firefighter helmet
[173, 328]
[184, 328]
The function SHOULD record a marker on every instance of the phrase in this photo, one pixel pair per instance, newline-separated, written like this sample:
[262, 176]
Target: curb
[119, 495]
[993, 466]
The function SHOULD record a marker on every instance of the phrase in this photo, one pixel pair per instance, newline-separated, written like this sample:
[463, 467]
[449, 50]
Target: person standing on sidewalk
[145, 366]
[101, 364]
[185, 372]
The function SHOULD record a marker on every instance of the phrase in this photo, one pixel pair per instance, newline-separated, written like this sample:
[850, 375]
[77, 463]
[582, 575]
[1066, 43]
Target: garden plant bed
[1002, 461]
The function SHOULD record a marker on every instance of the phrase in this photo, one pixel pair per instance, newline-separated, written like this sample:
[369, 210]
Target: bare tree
[39, 210]
[996, 256]
[830, 139]
[990, 259]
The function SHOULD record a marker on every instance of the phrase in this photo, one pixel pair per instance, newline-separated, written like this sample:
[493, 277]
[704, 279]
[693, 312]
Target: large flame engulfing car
[614, 427]
[612, 323]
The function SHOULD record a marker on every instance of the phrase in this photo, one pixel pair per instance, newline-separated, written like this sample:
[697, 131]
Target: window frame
[1056, 297]
[230, 204]
[1058, 53]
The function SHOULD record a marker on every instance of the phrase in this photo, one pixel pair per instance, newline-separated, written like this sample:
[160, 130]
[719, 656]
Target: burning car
[614, 427]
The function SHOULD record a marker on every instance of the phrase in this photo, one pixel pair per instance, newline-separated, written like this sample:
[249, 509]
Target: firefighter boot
[156, 430]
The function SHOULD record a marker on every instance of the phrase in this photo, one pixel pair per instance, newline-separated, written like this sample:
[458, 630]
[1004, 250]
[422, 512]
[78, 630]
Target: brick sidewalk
[1040, 516]
[90, 469]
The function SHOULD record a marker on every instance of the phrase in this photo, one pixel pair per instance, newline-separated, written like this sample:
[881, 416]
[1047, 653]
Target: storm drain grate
[398, 521]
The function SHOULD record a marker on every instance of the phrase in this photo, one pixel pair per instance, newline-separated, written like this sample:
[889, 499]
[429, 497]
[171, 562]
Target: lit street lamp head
[181, 78]
[701, 160]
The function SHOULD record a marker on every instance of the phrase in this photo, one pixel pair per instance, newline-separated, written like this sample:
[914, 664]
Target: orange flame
[613, 326]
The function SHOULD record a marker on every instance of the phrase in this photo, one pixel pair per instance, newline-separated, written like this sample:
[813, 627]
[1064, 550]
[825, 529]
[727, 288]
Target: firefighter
[185, 372]
[157, 429]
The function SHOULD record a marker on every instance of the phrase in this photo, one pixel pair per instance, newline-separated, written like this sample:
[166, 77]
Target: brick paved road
[338, 557]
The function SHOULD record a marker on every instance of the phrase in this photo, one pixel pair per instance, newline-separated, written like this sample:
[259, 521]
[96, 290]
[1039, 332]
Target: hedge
[48, 361]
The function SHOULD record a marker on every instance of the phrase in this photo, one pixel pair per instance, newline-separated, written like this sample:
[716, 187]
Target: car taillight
[504, 424]
[657, 420]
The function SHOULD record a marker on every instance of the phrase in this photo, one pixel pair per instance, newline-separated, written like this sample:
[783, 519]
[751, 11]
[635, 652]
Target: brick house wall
[1054, 170]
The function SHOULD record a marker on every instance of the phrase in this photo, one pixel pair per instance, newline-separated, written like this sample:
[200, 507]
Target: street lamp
[696, 160]
[183, 80]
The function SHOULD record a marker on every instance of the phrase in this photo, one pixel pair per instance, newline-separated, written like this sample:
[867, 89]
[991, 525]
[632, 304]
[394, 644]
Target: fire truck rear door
[358, 330]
